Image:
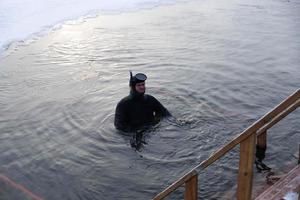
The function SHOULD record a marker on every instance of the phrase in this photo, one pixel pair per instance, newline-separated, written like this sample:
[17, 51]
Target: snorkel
[130, 80]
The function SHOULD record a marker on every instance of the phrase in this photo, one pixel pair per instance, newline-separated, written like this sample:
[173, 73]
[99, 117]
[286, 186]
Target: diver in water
[138, 110]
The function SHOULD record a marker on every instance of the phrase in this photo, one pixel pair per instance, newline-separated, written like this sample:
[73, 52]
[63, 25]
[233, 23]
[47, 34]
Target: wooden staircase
[289, 183]
[253, 139]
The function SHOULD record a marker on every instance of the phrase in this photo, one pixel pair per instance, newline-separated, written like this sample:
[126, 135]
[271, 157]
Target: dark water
[217, 66]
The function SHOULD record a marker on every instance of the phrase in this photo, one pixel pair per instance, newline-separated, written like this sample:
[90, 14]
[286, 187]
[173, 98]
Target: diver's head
[137, 82]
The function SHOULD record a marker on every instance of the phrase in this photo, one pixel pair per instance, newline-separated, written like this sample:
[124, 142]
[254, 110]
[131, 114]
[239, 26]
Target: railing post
[299, 159]
[191, 188]
[261, 146]
[244, 188]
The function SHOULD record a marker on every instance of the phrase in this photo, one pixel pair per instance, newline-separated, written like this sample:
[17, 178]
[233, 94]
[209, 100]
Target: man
[138, 109]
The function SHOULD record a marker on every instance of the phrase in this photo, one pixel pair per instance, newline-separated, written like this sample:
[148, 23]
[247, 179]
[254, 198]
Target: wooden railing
[254, 136]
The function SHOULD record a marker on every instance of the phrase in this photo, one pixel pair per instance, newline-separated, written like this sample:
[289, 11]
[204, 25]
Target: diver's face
[140, 87]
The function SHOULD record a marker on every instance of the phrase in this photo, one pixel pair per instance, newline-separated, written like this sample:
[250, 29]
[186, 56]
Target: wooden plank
[261, 146]
[262, 140]
[282, 106]
[20, 187]
[289, 183]
[299, 158]
[245, 175]
[218, 154]
[279, 117]
[191, 188]
[175, 185]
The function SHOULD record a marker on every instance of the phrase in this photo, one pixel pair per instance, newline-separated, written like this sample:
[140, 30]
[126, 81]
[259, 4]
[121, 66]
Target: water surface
[217, 67]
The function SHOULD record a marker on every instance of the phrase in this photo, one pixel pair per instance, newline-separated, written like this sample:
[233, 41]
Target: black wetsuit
[137, 111]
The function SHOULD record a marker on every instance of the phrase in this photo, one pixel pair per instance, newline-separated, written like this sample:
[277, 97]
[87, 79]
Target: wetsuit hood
[138, 78]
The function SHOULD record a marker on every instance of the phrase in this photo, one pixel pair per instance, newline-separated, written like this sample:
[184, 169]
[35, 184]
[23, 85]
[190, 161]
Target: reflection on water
[217, 67]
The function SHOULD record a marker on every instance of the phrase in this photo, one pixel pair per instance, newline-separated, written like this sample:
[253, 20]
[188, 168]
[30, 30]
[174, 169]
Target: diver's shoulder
[150, 97]
[124, 100]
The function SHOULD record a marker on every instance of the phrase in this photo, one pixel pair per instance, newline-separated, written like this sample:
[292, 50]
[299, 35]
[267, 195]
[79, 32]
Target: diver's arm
[121, 122]
[160, 108]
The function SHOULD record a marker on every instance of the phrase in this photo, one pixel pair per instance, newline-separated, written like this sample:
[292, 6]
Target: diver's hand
[174, 121]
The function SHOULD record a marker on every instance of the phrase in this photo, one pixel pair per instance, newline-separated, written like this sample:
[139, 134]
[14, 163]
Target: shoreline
[9, 47]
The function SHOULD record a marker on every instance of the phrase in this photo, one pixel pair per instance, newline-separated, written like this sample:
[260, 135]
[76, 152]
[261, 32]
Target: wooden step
[288, 183]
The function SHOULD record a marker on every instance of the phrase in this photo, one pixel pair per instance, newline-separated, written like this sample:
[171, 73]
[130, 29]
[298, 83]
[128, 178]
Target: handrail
[259, 127]
[279, 117]
[253, 128]
[175, 185]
